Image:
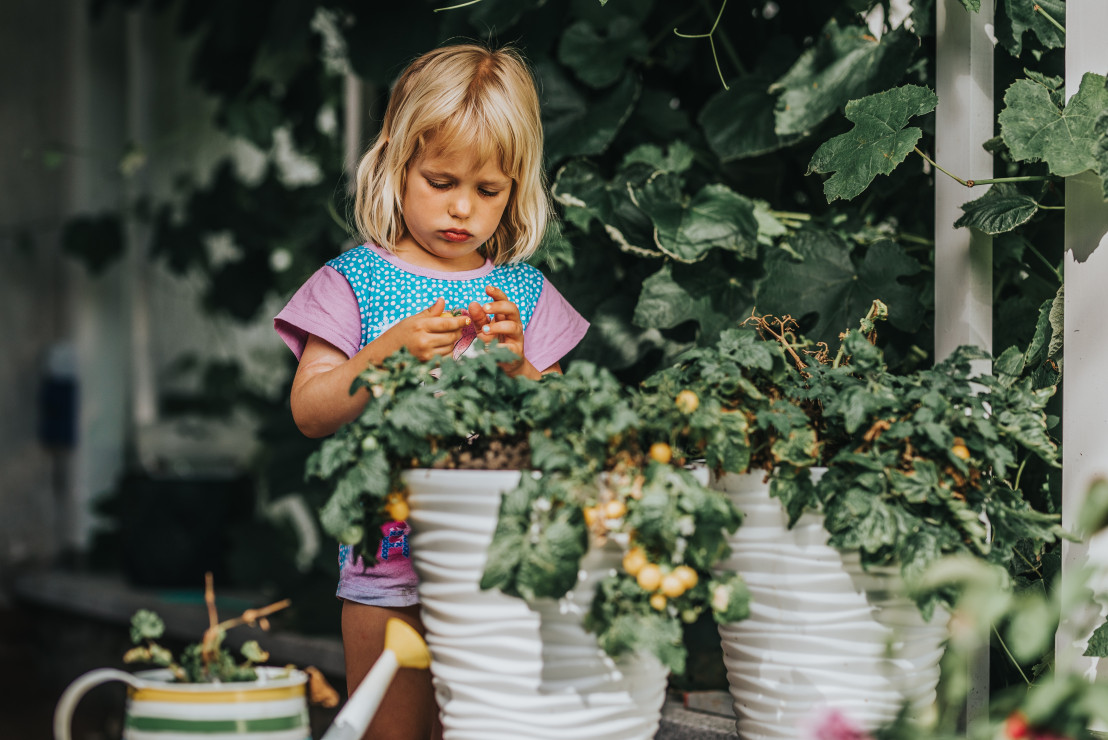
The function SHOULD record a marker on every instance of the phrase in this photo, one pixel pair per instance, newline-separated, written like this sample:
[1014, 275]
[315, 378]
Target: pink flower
[834, 725]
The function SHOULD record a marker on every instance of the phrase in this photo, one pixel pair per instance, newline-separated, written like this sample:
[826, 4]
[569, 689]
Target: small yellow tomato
[614, 509]
[591, 515]
[687, 575]
[634, 560]
[649, 577]
[687, 401]
[672, 585]
[398, 511]
[661, 452]
[959, 449]
[658, 602]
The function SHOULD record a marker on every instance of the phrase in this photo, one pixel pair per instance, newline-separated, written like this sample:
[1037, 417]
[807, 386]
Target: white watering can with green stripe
[274, 707]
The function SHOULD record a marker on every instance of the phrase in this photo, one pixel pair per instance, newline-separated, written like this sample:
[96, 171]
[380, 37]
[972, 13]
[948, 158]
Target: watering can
[274, 707]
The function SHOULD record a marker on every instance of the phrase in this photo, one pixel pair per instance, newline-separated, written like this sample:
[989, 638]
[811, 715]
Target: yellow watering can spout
[404, 648]
[403, 640]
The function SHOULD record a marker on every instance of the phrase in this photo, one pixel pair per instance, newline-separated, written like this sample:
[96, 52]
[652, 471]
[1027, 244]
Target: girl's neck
[410, 252]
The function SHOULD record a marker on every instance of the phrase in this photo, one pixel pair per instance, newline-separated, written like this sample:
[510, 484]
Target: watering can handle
[63, 713]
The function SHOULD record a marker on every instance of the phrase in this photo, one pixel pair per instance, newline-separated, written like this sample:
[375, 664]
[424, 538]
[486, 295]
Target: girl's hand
[428, 333]
[500, 320]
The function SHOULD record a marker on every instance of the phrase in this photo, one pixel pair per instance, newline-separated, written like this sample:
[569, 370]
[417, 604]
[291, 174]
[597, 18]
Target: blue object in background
[57, 401]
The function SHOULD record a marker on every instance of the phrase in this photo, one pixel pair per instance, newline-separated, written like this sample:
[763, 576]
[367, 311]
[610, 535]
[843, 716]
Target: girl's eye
[488, 193]
[438, 185]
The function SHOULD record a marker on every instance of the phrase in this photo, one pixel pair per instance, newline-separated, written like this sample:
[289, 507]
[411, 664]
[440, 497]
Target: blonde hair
[460, 97]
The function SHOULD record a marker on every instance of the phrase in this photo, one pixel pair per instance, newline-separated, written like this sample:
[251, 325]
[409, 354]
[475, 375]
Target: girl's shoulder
[354, 257]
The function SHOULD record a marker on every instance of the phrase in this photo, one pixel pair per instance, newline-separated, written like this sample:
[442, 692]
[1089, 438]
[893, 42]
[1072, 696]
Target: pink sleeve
[555, 328]
[325, 306]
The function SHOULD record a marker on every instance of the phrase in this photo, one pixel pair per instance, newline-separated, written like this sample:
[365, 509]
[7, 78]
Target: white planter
[822, 634]
[502, 669]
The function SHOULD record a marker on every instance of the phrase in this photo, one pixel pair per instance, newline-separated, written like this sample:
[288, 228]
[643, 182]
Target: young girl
[450, 200]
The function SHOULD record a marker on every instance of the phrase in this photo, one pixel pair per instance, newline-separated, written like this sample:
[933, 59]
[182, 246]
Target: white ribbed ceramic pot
[822, 634]
[504, 670]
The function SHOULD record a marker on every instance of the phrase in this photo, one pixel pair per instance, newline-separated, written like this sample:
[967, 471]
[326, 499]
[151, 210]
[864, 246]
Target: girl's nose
[460, 207]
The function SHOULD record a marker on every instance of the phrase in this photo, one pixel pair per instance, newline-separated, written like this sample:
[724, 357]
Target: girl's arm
[321, 400]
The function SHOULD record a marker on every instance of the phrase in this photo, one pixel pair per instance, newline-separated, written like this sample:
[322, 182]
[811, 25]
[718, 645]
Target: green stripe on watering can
[199, 726]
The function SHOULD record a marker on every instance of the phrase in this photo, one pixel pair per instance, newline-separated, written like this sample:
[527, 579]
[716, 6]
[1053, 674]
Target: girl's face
[452, 205]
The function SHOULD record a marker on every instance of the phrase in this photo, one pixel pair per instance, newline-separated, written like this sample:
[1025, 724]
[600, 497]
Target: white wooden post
[963, 257]
[964, 121]
[1084, 401]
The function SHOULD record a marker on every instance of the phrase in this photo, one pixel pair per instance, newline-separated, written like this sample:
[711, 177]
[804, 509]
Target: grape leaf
[598, 55]
[687, 228]
[704, 292]
[876, 145]
[825, 282]
[1000, 210]
[846, 63]
[1020, 16]
[1035, 129]
[575, 125]
[740, 122]
[1100, 149]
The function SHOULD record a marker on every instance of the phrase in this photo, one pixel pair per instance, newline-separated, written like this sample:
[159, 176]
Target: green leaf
[973, 6]
[253, 652]
[1100, 149]
[740, 122]
[598, 55]
[1035, 129]
[575, 125]
[582, 192]
[687, 228]
[825, 282]
[96, 240]
[1001, 209]
[877, 144]
[1019, 16]
[146, 625]
[705, 293]
[678, 157]
[845, 63]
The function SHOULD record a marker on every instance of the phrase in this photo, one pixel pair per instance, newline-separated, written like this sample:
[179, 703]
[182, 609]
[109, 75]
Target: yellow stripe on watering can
[221, 697]
[210, 726]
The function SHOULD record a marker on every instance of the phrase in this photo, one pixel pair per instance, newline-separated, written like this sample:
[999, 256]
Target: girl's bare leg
[408, 711]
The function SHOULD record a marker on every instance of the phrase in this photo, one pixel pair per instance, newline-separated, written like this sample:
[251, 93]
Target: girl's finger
[501, 329]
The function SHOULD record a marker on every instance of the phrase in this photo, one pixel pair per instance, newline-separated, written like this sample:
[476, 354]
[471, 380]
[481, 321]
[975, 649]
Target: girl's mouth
[455, 235]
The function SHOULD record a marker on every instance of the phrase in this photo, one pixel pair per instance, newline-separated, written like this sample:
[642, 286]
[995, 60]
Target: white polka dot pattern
[387, 293]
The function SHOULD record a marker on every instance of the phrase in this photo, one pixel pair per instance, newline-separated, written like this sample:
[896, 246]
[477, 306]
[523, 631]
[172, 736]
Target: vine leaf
[598, 55]
[1019, 16]
[687, 228]
[704, 293]
[1001, 209]
[740, 122]
[1036, 129]
[877, 144]
[825, 282]
[575, 125]
[846, 63]
[973, 6]
[1100, 150]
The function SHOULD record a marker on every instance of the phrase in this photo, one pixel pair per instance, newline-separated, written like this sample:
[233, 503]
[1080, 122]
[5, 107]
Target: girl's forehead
[457, 160]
